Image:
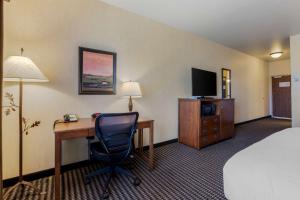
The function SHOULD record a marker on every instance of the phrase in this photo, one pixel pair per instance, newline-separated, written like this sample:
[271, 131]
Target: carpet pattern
[181, 172]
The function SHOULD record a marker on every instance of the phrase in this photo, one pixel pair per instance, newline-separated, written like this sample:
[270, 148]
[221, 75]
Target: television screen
[204, 83]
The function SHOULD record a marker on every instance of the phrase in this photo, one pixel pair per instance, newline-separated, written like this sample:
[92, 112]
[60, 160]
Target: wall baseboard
[145, 148]
[284, 118]
[50, 172]
[252, 120]
[44, 173]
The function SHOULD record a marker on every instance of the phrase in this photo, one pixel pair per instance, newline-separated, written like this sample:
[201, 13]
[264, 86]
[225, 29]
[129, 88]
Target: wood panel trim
[252, 120]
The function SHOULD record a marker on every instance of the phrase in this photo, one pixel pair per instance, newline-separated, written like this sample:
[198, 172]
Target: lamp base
[23, 184]
[130, 104]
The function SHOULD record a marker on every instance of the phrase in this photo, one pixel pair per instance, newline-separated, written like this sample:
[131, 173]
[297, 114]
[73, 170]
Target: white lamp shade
[132, 89]
[19, 68]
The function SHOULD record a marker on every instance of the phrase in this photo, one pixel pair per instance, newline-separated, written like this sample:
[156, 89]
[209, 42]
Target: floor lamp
[1, 80]
[21, 69]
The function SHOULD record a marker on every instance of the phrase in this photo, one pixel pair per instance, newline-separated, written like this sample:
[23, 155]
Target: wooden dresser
[199, 131]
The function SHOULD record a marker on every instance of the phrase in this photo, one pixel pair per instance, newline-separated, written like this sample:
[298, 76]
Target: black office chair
[115, 133]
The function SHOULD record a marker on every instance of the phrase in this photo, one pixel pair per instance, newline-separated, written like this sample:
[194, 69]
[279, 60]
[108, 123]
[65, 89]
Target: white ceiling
[256, 27]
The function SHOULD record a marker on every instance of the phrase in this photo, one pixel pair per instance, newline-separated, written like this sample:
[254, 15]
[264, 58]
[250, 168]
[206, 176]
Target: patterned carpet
[181, 172]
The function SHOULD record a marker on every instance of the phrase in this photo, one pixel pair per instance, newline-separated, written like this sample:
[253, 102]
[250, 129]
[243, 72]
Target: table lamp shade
[19, 68]
[131, 89]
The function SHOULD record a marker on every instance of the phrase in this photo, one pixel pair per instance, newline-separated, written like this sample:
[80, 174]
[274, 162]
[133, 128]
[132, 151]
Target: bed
[266, 170]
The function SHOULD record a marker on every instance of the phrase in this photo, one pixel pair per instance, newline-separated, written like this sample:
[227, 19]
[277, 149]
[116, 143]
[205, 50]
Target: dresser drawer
[205, 131]
[210, 121]
[210, 125]
[215, 129]
[204, 141]
[209, 139]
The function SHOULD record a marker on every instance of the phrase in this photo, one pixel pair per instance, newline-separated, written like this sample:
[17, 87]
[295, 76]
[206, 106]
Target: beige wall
[295, 69]
[158, 56]
[281, 67]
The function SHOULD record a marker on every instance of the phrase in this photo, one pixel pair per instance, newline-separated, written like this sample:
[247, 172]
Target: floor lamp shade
[19, 68]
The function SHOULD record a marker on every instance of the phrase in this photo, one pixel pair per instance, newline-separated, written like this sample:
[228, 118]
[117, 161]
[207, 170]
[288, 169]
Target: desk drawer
[73, 134]
[92, 132]
[145, 124]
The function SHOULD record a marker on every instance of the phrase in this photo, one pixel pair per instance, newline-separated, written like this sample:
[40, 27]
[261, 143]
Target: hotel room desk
[85, 127]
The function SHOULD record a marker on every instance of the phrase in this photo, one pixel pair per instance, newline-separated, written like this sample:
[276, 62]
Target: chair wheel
[87, 180]
[105, 195]
[137, 182]
[131, 166]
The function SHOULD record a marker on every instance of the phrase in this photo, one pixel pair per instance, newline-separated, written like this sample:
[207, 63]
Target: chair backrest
[115, 131]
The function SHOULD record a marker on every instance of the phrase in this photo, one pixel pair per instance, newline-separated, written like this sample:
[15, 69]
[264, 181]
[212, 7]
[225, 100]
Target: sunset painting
[97, 71]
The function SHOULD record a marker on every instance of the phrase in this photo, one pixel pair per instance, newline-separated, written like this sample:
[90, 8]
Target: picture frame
[226, 83]
[97, 72]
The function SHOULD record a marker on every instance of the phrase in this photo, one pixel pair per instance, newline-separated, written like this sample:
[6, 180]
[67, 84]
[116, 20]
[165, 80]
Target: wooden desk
[86, 128]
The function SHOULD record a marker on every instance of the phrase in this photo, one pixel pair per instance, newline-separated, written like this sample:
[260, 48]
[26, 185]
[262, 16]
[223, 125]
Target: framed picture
[97, 71]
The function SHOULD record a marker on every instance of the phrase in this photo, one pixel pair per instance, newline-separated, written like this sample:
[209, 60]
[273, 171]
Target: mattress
[266, 170]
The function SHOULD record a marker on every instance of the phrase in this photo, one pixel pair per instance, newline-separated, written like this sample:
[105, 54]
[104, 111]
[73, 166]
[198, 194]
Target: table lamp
[131, 90]
[22, 69]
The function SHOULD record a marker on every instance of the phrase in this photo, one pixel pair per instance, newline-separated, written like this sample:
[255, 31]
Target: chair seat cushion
[117, 143]
[117, 150]
[98, 152]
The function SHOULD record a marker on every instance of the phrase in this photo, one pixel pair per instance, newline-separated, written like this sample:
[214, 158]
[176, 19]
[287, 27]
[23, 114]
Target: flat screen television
[204, 83]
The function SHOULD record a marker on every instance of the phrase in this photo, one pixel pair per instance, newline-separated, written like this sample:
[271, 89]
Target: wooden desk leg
[57, 167]
[142, 140]
[151, 147]
[139, 141]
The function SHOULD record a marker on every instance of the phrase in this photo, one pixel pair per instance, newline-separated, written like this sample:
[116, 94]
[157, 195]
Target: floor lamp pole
[21, 131]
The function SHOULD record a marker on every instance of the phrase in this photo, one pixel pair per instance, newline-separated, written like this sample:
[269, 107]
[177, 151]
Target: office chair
[115, 133]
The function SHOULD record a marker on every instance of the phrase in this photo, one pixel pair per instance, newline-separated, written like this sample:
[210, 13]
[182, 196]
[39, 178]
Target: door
[227, 118]
[281, 95]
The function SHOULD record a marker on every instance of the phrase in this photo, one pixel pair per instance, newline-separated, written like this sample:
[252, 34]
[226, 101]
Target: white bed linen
[266, 170]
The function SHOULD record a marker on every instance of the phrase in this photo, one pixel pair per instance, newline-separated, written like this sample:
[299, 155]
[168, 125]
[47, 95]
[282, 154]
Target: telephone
[70, 118]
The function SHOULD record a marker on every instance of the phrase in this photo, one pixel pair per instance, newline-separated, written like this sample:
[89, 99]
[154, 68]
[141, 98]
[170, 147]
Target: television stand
[197, 130]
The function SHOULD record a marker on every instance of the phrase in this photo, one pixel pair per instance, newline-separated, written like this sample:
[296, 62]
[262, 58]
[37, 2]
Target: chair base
[112, 171]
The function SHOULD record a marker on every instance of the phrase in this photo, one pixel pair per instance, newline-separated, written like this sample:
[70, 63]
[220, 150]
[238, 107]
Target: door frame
[271, 97]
